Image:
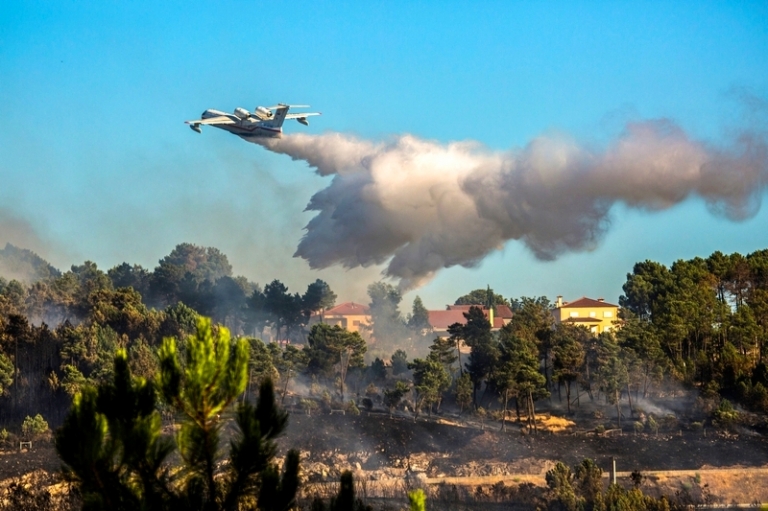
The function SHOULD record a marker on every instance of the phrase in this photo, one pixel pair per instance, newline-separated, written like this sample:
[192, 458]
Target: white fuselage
[247, 129]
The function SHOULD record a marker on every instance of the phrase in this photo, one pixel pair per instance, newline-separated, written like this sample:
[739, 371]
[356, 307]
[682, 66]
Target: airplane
[262, 122]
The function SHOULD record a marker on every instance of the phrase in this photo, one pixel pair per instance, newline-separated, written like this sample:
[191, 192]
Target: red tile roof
[441, 320]
[348, 309]
[587, 302]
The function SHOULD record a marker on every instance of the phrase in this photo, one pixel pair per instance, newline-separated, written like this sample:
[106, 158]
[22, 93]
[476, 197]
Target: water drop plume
[418, 206]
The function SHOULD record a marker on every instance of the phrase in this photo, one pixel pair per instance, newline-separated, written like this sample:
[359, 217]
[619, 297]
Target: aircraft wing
[221, 119]
[299, 116]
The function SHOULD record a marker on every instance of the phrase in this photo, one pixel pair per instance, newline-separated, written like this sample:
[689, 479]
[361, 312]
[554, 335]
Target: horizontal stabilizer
[299, 116]
[221, 119]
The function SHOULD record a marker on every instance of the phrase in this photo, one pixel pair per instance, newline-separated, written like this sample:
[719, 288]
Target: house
[597, 315]
[440, 320]
[352, 316]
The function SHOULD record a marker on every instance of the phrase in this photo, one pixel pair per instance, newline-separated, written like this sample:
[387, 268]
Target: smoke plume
[420, 206]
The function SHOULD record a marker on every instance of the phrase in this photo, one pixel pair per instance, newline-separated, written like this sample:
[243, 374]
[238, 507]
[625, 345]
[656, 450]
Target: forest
[699, 324]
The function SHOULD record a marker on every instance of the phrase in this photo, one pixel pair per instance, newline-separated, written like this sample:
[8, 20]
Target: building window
[574, 314]
[355, 323]
[592, 314]
[608, 314]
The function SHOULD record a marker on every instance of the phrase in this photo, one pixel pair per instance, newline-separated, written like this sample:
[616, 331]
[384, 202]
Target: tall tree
[612, 374]
[418, 319]
[430, 380]
[444, 351]
[533, 322]
[399, 362]
[516, 374]
[332, 350]
[285, 308]
[318, 298]
[568, 353]
[640, 338]
[484, 353]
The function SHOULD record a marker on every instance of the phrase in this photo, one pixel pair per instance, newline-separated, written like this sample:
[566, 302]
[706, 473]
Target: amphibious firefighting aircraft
[262, 122]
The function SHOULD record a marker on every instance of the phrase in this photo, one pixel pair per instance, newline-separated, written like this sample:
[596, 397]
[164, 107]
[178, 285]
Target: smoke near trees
[700, 323]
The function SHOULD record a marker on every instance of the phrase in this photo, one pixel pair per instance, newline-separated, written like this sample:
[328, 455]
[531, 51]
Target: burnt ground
[381, 441]
[42, 456]
[384, 448]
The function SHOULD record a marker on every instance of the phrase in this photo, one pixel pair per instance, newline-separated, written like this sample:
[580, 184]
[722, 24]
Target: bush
[725, 415]
[669, 422]
[309, 405]
[638, 427]
[600, 429]
[653, 425]
[33, 427]
[417, 500]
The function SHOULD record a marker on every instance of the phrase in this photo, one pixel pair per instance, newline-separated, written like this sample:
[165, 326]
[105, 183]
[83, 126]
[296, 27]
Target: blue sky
[95, 162]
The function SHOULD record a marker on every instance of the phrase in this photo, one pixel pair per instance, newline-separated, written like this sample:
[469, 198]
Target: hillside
[24, 265]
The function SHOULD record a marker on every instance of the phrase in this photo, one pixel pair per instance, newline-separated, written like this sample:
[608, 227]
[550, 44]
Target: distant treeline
[701, 323]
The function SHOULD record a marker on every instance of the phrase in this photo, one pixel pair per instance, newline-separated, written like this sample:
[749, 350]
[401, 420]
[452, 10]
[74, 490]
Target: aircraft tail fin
[277, 120]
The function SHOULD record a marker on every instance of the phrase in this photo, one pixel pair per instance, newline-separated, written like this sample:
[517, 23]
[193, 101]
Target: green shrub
[725, 415]
[417, 500]
[669, 422]
[34, 426]
[652, 424]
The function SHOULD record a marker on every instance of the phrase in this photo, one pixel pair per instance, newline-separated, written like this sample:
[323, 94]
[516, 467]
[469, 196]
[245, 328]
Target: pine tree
[113, 450]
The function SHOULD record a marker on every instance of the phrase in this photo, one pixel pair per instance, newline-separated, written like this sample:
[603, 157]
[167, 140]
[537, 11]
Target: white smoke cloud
[421, 206]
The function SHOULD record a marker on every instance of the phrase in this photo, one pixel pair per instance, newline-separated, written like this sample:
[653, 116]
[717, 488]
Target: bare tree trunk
[458, 354]
[533, 411]
[285, 388]
[504, 416]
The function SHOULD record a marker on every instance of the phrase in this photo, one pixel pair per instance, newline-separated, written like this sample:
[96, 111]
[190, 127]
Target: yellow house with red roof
[352, 316]
[597, 315]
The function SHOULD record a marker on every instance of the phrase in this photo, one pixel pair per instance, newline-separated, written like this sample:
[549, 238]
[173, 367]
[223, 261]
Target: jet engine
[263, 113]
[303, 120]
[242, 113]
